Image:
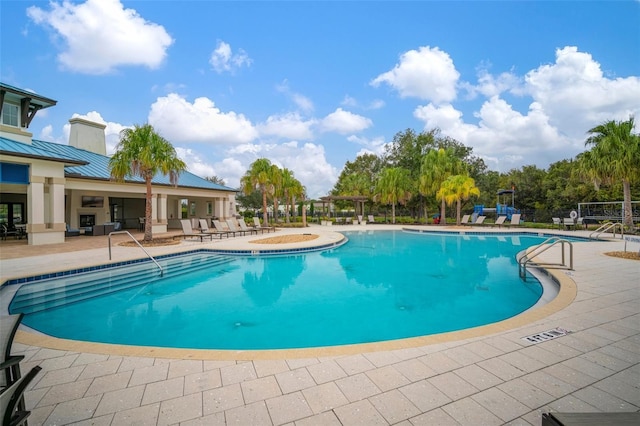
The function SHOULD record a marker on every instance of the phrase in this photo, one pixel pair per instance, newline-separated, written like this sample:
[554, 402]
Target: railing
[527, 257]
[139, 245]
[606, 227]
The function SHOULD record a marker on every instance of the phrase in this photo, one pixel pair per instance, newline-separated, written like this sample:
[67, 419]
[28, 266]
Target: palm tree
[288, 182]
[456, 189]
[275, 177]
[143, 152]
[615, 156]
[436, 167]
[394, 186]
[258, 177]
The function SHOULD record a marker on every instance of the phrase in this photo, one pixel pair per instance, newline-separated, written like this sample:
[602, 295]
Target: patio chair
[71, 232]
[12, 400]
[568, 223]
[187, 231]
[233, 228]
[371, 219]
[580, 223]
[557, 221]
[465, 219]
[204, 228]
[244, 227]
[257, 225]
[361, 221]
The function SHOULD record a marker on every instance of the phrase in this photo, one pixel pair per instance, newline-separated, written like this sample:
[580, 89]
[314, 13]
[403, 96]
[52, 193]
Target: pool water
[379, 286]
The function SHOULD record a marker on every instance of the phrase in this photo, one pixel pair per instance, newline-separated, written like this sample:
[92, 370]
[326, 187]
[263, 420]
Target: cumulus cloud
[576, 94]
[308, 163]
[344, 122]
[565, 99]
[178, 120]
[101, 35]
[375, 146]
[224, 60]
[427, 73]
[290, 125]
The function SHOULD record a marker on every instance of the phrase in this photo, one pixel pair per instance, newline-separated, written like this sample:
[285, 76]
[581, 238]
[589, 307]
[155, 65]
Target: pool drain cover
[546, 335]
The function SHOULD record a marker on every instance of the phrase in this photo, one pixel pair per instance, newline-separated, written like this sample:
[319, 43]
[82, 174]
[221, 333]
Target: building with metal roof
[46, 187]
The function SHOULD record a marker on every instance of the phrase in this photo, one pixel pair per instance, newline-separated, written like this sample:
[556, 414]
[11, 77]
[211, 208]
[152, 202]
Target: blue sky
[311, 85]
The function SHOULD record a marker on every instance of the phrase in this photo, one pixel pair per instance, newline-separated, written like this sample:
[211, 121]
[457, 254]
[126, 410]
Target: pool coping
[566, 294]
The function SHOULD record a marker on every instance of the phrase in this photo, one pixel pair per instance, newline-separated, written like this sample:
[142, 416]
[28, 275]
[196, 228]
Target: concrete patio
[484, 376]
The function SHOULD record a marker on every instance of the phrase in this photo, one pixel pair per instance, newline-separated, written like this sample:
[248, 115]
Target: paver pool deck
[483, 376]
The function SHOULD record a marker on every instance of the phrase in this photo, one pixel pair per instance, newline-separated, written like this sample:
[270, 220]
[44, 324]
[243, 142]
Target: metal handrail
[139, 245]
[607, 226]
[527, 257]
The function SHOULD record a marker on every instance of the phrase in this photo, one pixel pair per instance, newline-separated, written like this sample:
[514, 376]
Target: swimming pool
[379, 286]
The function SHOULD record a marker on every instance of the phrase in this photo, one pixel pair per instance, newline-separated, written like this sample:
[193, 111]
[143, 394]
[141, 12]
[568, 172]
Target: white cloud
[178, 120]
[298, 99]
[375, 146]
[101, 35]
[427, 73]
[308, 163]
[566, 99]
[290, 126]
[343, 122]
[576, 95]
[223, 59]
[195, 163]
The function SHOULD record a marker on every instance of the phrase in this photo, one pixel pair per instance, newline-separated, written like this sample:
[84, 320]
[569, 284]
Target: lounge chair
[465, 219]
[244, 227]
[222, 229]
[479, 220]
[515, 220]
[10, 364]
[371, 219]
[187, 231]
[12, 400]
[557, 221]
[499, 221]
[204, 228]
[580, 223]
[361, 221]
[233, 228]
[256, 224]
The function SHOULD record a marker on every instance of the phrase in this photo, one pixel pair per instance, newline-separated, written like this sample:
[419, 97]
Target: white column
[154, 208]
[56, 201]
[35, 197]
[162, 208]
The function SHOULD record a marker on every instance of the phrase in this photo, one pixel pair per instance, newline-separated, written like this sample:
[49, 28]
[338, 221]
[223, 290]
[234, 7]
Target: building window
[10, 114]
[209, 208]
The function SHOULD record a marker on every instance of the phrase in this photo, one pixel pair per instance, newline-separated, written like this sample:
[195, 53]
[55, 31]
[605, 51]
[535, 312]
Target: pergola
[355, 198]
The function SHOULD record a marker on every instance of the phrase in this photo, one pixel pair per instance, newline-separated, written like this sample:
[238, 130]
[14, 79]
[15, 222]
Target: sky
[311, 85]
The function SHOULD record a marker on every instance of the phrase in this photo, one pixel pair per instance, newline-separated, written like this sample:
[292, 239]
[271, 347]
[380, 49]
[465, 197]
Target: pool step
[61, 291]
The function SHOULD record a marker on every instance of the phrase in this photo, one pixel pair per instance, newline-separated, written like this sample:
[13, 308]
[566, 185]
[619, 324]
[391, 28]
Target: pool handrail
[606, 227]
[139, 245]
[528, 256]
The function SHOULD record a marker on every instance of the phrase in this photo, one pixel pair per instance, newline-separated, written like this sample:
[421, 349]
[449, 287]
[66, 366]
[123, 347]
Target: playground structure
[501, 209]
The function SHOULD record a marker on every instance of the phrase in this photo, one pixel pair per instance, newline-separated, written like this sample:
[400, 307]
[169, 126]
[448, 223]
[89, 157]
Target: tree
[275, 178]
[143, 152]
[614, 156]
[455, 189]
[216, 179]
[436, 167]
[394, 186]
[258, 177]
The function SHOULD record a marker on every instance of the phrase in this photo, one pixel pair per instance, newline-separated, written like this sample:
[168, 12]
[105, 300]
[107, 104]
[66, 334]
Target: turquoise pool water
[379, 286]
